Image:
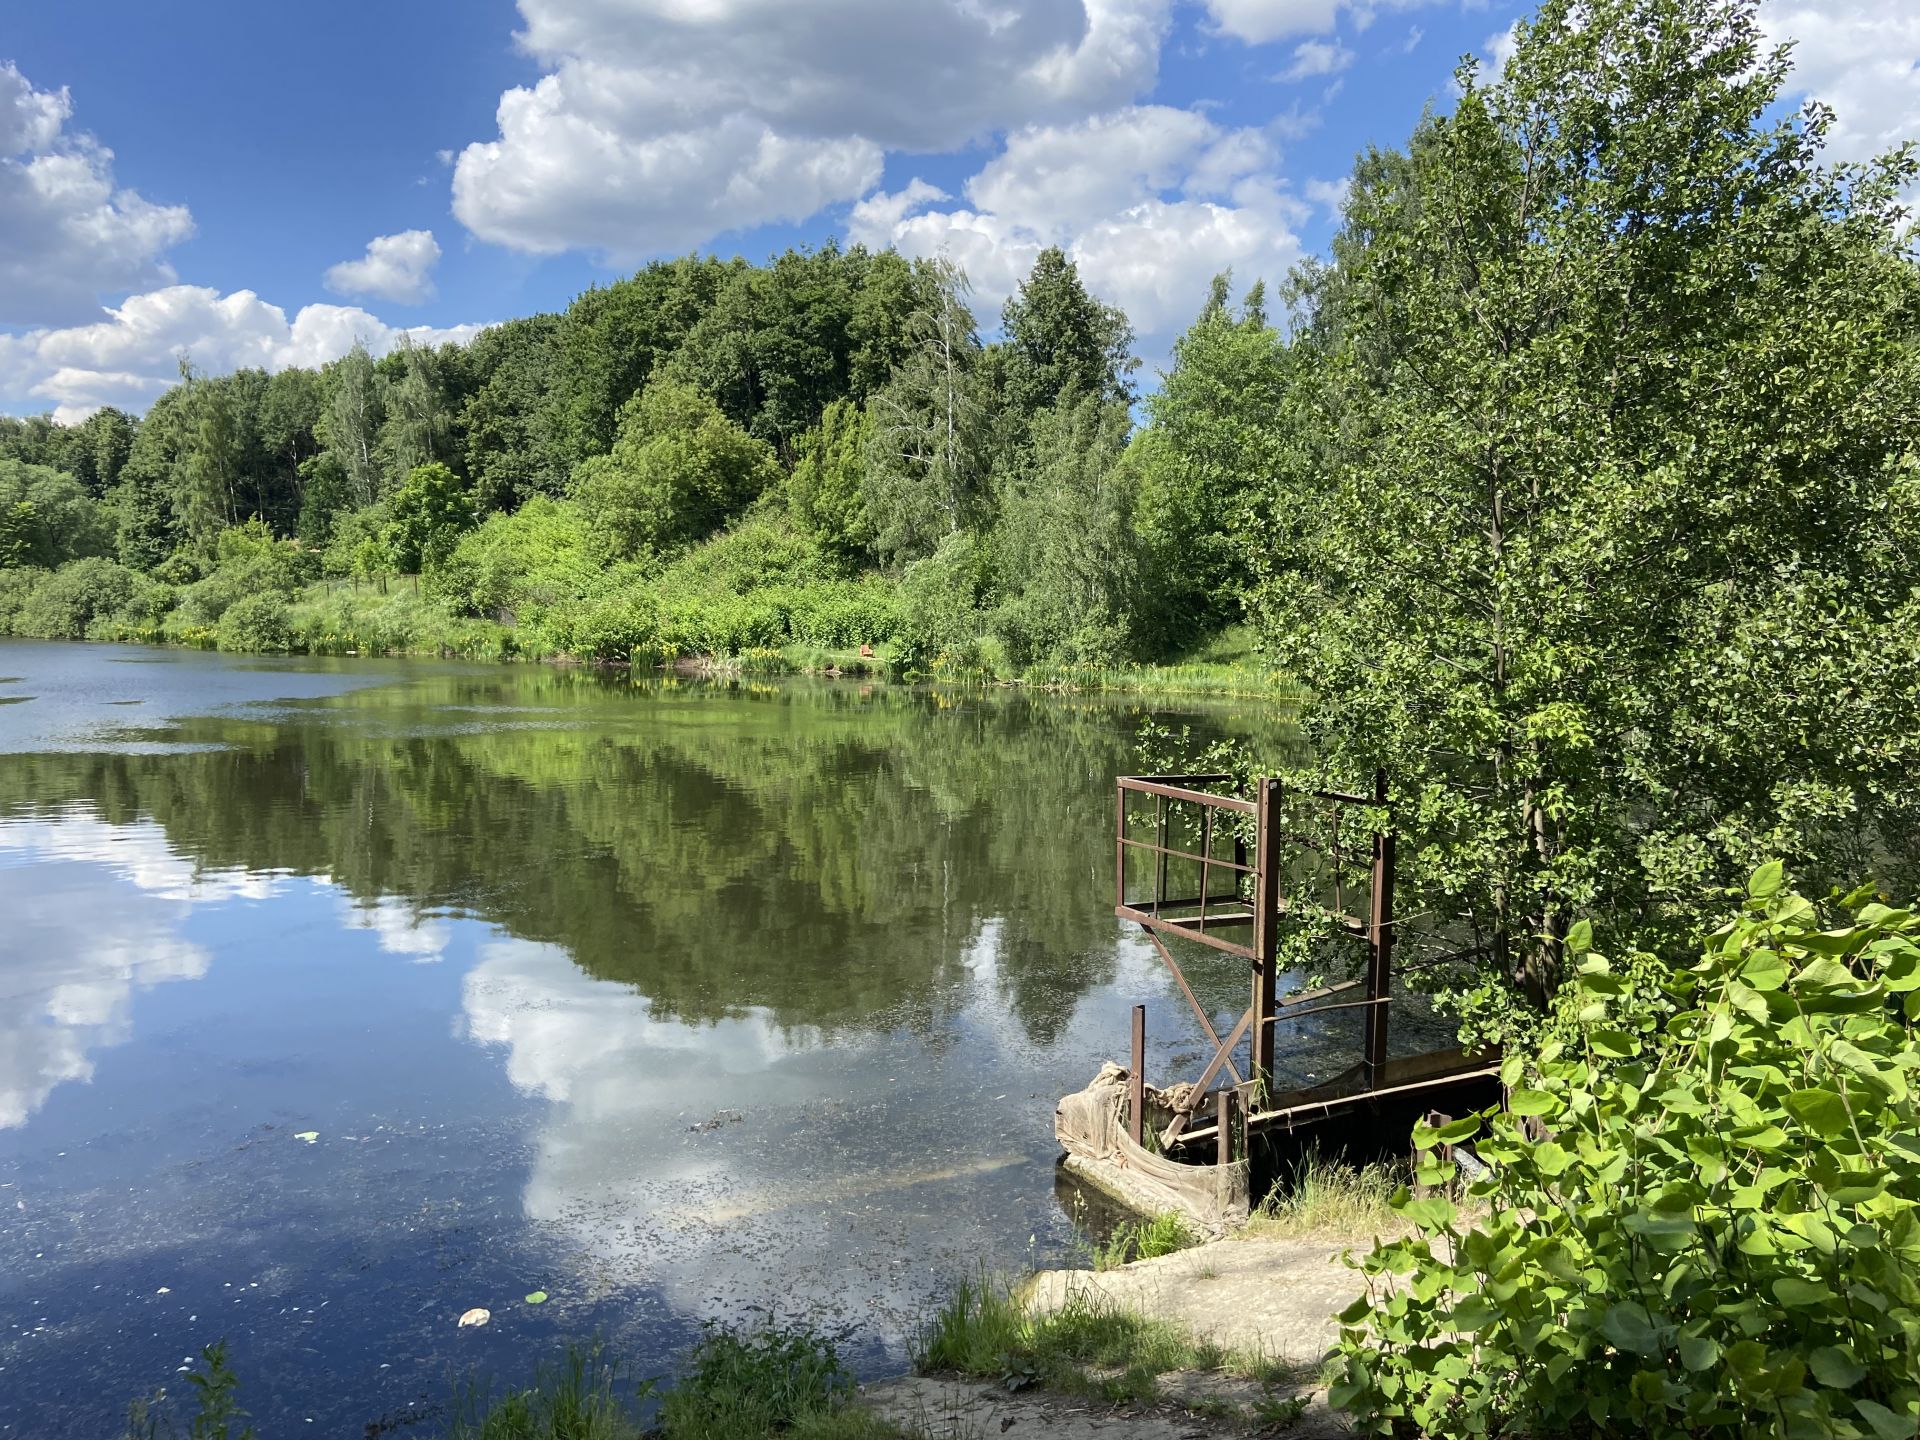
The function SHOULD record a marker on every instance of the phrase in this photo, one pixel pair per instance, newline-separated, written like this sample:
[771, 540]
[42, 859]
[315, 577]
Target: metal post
[1137, 1078]
[1379, 943]
[1223, 1135]
[1266, 940]
[1120, 846]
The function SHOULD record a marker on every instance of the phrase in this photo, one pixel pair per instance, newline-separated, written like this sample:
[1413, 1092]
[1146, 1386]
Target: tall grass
[1147, 1239]
[1326, 1199]
[581, 1397]
[1088, 1346]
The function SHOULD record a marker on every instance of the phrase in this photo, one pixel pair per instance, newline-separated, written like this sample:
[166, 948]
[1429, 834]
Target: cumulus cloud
[395, 267]
[68, 233]
[1260, 22]
[1862, 57]
[1149, 201]
[661, 123]
[1330, 195]
[1317, 57]
[133, 353]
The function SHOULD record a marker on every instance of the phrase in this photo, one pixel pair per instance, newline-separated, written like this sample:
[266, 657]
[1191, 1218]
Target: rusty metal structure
[1197, 859]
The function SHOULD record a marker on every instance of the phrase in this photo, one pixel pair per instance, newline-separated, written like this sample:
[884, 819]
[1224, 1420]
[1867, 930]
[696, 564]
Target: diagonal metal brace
[1206, 1021]
[1179, 1121]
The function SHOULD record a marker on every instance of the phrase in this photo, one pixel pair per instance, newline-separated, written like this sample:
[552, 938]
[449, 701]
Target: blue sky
[210, 177]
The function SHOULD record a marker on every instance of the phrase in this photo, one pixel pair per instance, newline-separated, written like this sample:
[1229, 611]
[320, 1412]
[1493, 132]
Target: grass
[582, 1397]
[1089, 1346]
[1327, 1199]
[1144, 1240]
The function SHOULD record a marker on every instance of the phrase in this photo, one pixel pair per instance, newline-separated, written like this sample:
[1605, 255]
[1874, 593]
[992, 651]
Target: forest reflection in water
[674, 998]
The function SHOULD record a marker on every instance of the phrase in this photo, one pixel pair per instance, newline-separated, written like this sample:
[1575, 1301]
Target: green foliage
[518, 564]
[678, 471]
[1146, 1239]
[257, 624]
[248, 563]
[47, 518]
[1067, 551]
[1589, 521]
[65, 603]
[1705, 1230]
[824, 488]
[582, 1397]
[427, 515]
[1060, 341]
[941, 605]
[1218, 430]
[765, 1382]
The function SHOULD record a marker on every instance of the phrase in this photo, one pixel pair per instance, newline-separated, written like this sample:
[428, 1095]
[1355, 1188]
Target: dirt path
[1275, 1298]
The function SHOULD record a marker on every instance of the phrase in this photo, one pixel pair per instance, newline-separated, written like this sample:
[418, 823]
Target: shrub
[16, 586]
[67, 602]
[1709, 1232]
[257, 623]
[526, 561]
[763, 1383]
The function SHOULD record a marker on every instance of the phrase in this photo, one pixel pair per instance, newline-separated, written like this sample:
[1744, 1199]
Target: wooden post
[1379, 943]
[1223, 1135]
[1266, 940]
[1137, 1078]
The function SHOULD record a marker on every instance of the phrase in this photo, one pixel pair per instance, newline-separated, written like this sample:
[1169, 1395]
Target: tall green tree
[1595, 525]
[824, 487]
[678, 472]
[927, 452]
[350, 425]
[209, 466]
[1057, 338]
[429, 513]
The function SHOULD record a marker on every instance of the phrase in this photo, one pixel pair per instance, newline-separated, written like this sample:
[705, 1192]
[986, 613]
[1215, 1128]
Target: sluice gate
[1202, 865]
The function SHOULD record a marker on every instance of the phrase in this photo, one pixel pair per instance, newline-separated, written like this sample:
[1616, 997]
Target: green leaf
[1532, 1102]
[1764, 970]
[1767, 880]
[1699, 1352]
[538, 1297]
[1886, 1424]
[1834, 1365]
[1792, 1291]
[1614, 1044]
[1821, 1111]
[1629, 1327]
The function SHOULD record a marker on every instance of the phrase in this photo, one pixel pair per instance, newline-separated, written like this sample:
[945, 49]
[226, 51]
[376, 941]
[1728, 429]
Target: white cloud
[661, 123]
[1499, 50]
[132, 354]
[1330, 195]
[1150, 202]
[395, 267]
[68, 234]
[1317, 57]
[1862, 57]
[1260, 22]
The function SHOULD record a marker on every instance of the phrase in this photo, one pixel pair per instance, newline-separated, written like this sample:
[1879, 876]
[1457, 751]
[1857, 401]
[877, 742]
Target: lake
[339, 997]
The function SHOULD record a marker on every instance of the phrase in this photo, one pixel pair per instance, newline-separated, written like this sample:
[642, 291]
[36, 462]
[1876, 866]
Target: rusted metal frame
[1206, 862]
[1159, 787]
[1326, 1108]
[1150, 922]
[1120, 845]
[1266, 939]
[1223, 1146]
[1324, 1010]
[1220, 1057]
[1137, 1078]
[1195, 924]
[1379, 944]
[1199, 1010]
[1160, 831]
[1191, 900]
[1307, 997]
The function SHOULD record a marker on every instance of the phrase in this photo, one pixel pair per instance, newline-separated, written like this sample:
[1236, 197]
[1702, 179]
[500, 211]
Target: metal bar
[1324, 1010]
[1160, 831]
[1206, 1021]
[1342, 1102]
[1379, 943]
[1150, 922]
[1307, 997]
[1178, 792]
[1179, 854]
[1220, 1058]
[1343, 798]
[1120, 845]
[1266, 940]
[1223, 1147]
[1206, 862]
[1137, 1080]
[1188, 900]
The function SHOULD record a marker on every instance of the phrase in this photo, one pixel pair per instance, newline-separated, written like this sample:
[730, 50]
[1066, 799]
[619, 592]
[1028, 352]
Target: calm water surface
[337, 998]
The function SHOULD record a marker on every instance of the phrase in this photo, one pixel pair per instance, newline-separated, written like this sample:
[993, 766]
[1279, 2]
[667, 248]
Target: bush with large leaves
[1712, 1232]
